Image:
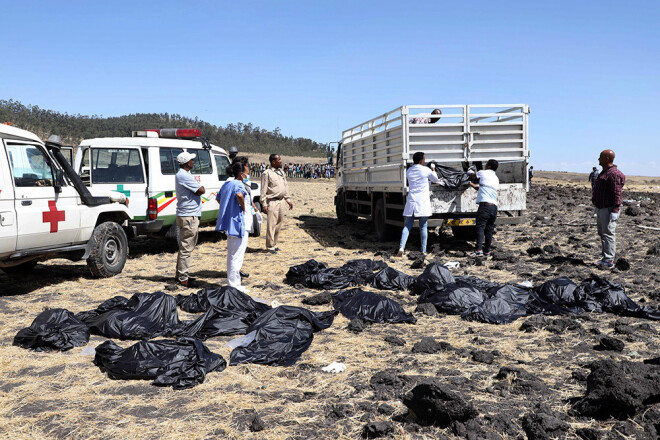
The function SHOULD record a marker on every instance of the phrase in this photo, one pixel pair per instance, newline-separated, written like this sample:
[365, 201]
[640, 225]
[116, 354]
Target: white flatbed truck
[373, 156]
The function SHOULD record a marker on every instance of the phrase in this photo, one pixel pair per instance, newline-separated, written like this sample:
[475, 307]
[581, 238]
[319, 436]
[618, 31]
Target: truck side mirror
[59, 180]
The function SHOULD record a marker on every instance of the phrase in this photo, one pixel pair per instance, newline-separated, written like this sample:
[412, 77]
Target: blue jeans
[407, 226]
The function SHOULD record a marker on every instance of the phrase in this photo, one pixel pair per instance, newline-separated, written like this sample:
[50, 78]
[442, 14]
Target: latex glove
[614, 216]
[335, 367]
[595, 212]
[472, 170]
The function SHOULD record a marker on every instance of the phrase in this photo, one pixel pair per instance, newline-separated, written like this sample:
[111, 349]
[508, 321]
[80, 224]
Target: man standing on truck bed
[606, 197]
[188, 212]
[274, 192]
[418, 203]
[487, 211]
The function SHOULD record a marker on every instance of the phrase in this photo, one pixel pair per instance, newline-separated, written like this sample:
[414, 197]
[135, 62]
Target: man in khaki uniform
[274, 194]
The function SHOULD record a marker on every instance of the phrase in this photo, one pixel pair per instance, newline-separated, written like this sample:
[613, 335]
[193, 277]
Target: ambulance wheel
[384, 231]
[20, 269]
[109, 250]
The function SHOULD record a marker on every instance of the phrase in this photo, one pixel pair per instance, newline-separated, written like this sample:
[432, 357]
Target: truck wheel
[464, 232]
[109, 250]
[173, 232]
[340, 207]
[256, 232]
[384, 232]
[20, 269]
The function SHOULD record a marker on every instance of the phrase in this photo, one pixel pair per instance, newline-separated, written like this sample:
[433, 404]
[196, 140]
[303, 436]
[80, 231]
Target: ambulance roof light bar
[171, 133]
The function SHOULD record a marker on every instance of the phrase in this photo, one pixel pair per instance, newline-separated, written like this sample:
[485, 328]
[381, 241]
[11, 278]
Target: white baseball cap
[185, 157]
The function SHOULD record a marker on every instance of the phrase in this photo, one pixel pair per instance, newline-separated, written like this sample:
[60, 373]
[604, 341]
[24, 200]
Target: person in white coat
[418, 203]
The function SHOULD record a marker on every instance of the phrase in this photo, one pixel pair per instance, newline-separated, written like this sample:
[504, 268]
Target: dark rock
[552, 248]
[633, 211]
[418, 263]
[256, 424]
[623, 328]
[430, 346]
[387, 384]
[395, 340]
[507, 256]
[482, 356]
[629, 429]
[427, 309]
[518, 381]
[386, 409]
[654, 250]
[461, 254]
[436, 405]
[534, 250]
[318, 300]
[557, 326]
[588, 434]
[356, 325]
[608, 343]
[580, 375]
[171, 287]
[541, 426]
[377, 429]
[340, 411]
[618, 389]
[622, 264]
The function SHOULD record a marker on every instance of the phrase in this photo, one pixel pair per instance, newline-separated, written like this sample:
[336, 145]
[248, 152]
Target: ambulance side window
[168, 163]
[202, 164]
[221, 163]
[30, 166]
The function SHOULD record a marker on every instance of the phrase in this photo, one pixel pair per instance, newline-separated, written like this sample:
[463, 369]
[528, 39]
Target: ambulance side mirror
[59, 180]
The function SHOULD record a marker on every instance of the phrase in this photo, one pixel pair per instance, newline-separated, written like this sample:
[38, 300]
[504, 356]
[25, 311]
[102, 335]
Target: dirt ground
[63, 395]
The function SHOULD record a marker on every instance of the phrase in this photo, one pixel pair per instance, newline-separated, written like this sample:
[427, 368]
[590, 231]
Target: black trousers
[486, 216]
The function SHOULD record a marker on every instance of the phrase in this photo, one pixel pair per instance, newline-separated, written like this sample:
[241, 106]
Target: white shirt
[418, 203]
[488, 186]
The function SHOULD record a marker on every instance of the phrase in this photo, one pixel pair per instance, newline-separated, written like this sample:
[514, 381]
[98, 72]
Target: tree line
[74, 128]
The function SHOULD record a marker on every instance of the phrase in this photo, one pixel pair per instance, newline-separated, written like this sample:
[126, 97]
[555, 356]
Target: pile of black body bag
[472, 298]
[274, 336]
[278, 336]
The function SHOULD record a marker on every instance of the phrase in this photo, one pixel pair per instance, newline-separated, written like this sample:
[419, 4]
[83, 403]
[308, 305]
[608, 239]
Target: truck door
[44, 216]
[118, 169]
[7, 210]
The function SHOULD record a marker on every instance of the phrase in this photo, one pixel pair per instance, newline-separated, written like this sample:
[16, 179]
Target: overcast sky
[588, 69]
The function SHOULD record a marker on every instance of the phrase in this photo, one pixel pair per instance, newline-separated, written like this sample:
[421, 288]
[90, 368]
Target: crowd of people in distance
[298, 170]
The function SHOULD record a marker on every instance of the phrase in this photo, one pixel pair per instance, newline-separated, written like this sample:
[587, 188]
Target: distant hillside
[74, 128]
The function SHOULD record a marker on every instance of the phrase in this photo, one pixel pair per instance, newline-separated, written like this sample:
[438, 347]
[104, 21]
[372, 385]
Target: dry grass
[63, 395]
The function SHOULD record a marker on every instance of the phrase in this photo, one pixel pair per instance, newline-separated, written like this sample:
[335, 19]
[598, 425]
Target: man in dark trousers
[593, 176]
[487, 189]
[606, 197]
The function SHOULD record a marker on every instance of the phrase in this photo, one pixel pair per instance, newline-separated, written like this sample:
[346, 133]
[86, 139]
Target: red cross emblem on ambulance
[53, 216]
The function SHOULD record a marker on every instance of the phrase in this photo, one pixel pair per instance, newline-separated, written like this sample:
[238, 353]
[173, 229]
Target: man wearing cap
[188, 212]
[274, 194]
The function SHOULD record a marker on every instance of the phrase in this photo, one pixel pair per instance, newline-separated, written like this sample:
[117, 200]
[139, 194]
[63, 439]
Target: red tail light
[152, 209]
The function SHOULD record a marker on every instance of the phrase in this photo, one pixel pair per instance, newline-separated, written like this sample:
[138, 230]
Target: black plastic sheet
[181, 363]
[280, 336]
[143, 316]
[453, 298]
[296, 274]
[391, 279]
[228, 312]
[451, 178]
[433, 277]
[53, 329]
[371, 307]
[506, 304]
[358, 272]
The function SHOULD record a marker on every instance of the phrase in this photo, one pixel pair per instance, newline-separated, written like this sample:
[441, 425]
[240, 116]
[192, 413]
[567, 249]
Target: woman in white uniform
[418, 204]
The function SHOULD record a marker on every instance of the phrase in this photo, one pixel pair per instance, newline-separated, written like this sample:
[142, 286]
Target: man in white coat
[418, 204]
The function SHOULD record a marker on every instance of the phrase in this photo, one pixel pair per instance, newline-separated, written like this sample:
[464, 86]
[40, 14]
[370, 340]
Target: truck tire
[340, 208]
[256, 231]
[109, 250]
[20, 269]
[468, 233]
[384, 232]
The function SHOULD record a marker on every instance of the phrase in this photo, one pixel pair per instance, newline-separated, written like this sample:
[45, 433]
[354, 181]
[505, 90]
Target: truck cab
[45, 212]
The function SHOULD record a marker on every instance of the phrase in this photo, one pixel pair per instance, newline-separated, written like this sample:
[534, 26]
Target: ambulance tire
[20, 269]
[109, 250]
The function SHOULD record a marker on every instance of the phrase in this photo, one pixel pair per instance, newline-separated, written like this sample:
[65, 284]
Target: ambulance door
[119, 169]
[203, 171]
[7, 210]
[47, 211]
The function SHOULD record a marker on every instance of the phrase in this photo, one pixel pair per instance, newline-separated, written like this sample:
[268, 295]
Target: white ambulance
[143, 167]
[46, 211]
